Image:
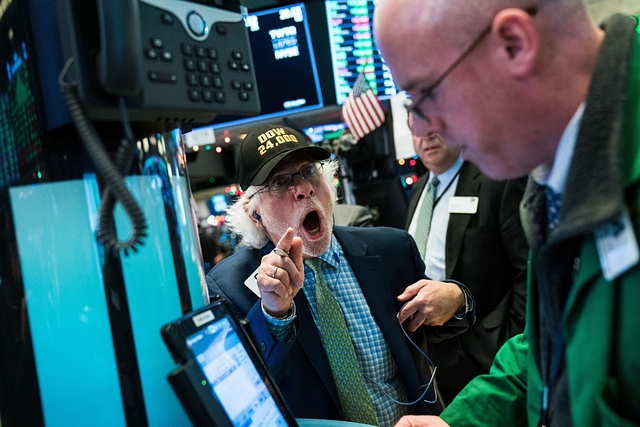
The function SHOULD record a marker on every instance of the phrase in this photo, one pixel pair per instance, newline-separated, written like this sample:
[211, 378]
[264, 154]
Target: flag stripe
[355, 122]
[359, 119]
[371, 102]
[378, 111]
[352, 120]
[362, 112]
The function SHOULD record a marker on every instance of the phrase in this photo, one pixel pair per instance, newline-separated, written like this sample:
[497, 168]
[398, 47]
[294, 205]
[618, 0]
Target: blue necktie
[554, 203]
[352, 390]
[424, 217]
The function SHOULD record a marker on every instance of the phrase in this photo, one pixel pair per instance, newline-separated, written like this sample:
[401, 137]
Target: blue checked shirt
[374, 356]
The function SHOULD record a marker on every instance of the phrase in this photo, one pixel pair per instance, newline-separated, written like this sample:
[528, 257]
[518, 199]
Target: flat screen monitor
[323, 132]
[223, 380]
[21, 118]
[353, 49]
[235, 381]
[284, 62]
[218, 204]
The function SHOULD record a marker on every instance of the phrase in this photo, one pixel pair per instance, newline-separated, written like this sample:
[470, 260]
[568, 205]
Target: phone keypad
[183, 71]
[203, 74]
[185, 51]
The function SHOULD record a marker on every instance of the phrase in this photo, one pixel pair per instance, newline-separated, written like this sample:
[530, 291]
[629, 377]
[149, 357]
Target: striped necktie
[356, 403]
[424, 217]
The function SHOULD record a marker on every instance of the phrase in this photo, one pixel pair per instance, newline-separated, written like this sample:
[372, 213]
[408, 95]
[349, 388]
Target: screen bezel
[175, 336]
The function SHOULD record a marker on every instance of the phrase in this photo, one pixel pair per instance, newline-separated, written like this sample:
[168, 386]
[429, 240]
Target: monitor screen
[218, 203]
[284, 62]
[235, 381]
[323, 132]
[21, 120]
[353, 49]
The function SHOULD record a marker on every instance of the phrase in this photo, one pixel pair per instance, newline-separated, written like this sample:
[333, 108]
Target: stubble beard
[310, 248]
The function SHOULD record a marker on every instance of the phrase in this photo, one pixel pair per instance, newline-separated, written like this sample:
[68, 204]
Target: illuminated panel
[284, 62]
[353, 48]
[19, 123]
[21, 119]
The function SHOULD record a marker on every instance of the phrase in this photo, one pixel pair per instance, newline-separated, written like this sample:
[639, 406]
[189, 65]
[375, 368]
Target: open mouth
[311, 223]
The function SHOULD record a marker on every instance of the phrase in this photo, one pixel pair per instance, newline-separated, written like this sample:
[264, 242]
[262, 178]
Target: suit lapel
[468, 185]
[368, 273]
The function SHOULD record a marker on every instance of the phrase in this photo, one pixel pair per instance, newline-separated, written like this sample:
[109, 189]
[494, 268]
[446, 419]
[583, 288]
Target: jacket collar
[595, 183]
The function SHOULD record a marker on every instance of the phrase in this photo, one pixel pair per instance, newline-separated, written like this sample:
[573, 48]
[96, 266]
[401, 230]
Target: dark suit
[486, 251]
[385, 261]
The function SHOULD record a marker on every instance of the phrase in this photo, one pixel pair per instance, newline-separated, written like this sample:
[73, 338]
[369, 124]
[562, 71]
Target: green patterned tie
[424, 217]
[352, 391]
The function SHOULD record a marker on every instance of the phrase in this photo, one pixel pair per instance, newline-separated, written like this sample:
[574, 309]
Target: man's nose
[423, 129]
[302, 188]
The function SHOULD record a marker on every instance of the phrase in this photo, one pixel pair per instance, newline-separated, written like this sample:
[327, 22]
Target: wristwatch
[290, 314]
[467, 305]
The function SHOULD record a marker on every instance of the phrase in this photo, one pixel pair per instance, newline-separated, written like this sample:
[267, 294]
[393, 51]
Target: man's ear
[255, 216]
[518, 38]
[257, 220]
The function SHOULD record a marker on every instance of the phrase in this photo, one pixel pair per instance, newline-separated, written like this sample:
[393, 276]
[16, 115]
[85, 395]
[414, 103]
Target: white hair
[239, 215]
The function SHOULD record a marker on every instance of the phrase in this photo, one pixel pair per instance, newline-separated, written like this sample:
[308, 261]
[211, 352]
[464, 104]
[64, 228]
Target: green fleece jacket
[600, 319]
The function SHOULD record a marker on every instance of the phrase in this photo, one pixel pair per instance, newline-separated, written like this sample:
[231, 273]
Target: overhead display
[284, 62]
[353, 49]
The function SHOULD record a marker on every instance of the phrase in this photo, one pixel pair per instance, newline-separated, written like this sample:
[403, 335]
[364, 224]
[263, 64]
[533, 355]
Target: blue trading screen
[284, 61]
[235, 381]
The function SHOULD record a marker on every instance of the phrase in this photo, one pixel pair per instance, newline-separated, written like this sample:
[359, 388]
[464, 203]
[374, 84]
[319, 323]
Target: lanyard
[435, 202]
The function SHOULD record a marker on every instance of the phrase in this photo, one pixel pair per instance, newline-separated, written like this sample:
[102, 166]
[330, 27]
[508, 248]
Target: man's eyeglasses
[414, 107]
[279, 185]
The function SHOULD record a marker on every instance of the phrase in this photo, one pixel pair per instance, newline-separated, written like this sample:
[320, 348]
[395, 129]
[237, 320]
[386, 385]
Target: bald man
[533, 87]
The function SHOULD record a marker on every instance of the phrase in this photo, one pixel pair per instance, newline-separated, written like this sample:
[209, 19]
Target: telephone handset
[172, 60]
[119, 61]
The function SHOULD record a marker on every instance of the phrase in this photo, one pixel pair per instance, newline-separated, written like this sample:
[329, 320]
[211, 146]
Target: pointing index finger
[284, 244]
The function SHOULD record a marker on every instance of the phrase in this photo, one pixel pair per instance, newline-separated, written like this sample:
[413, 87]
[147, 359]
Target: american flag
[362, 111]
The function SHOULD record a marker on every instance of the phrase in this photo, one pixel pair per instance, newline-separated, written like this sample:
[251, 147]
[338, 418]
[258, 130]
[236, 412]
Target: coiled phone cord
[115, 187]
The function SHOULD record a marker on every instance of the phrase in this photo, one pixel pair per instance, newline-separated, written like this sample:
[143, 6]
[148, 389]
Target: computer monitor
[285, 65]
[22, 119]
[223, 380]
[353, 49]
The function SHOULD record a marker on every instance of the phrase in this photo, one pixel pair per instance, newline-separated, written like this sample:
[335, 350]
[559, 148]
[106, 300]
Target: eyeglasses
[279, 185]
[414, 107]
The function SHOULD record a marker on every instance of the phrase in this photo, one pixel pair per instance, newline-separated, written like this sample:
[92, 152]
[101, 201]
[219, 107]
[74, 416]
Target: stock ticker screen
[20, 124]
[353, 49]
[284, 63]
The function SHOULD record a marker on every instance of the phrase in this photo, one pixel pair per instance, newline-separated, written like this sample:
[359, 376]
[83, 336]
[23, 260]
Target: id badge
[463, 204]
[617, 246]
[252, 282]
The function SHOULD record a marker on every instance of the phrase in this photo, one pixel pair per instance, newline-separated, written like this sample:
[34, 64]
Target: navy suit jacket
[487, 251]
[385, 261]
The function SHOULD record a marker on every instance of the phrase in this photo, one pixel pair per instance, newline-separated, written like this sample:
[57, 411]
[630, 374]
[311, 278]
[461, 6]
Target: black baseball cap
[264, 147]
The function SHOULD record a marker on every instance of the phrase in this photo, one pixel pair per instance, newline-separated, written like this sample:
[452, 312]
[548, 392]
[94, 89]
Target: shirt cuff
[468, 300]
[282, 329]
